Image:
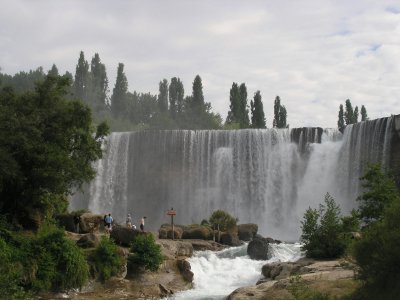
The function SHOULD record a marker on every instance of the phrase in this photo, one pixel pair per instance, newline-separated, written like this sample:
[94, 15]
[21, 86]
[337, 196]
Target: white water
[217, 274]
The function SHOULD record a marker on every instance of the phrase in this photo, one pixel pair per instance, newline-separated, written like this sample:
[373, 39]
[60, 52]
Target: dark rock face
[123, 235]
[258, 249]
[185, 269]
[230, 239]
[165, 232]
[90, 223]
[395, 150]
[200, 232]
[89, 240]
[247, 232]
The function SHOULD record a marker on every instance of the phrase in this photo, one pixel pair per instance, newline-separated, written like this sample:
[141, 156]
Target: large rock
[259, 249]
[230, 239]
[172, 249]
[165, 232]
[124, 236]
[89, 240]
[246, 232]
[283, 270]
[198, 232]
[91, 223]
[185, 269]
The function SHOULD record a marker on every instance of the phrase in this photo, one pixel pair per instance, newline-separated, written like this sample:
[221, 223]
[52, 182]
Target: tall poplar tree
[243, 110]
[364, 116]
[280, 114]
[53, 71]
[348, 115]
[198, 97]
[81, 77]
[355, 115]
[118, 98]
[234, 106]
[257, 112]
[340, 122]
[163, 95]
[99, 83]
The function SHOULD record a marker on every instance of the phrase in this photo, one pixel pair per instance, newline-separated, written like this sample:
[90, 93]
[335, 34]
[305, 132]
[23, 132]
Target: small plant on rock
[146, 253]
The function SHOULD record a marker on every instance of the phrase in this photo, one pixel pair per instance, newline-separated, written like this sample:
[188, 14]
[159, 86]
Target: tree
[257, 112]
[355, 115]
[145, 253]
[50, 151]
[243, 110]
[163, 95]
[223, 220]
[280, 114]
[340, 122]
[197, 94]
[348, 115]
[99, 84]
[322, 231]
[380, 191]
[81, 77]
[119, 96]
[234, 107]
[364, 116]
[53, 71]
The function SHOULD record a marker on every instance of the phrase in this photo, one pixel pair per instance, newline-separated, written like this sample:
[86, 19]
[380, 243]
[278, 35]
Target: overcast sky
[313, 54]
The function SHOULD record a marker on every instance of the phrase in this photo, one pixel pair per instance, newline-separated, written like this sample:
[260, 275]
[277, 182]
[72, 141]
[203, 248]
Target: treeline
[170, 108]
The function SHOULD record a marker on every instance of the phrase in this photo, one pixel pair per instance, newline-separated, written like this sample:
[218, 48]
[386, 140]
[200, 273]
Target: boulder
[172, 249]
[198, 232]
[124, 236]
[230, 239]
[246, 232]
[91, 223]
[185, 269]
[165, 232]
[89, 240]
[277, 271]
[258, 249]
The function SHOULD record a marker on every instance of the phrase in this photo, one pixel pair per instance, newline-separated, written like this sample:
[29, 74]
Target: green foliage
[223, 219]
[146, 253]
[364, 115]
[107, 260]
[322, 231]
[351, 223]
[81, 77]
[280, 114]
[163, 95]
[257, 112]
[377, 253]
[300, 291]
[341, 118]
[238, 112]
[381, 190]
[50, 150]
[348, 115]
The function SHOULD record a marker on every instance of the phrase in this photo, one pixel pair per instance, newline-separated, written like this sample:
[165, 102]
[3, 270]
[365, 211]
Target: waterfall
[264, 176]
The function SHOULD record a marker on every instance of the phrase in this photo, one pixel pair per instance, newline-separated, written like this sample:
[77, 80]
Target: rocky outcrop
[198, 232]
[185, 268]
[258, 248]
[174, 249]
[322, 276]
[89, 222]
[124, 236]
[246, 232]
[230, 239]
[89, 240]
[165, 232]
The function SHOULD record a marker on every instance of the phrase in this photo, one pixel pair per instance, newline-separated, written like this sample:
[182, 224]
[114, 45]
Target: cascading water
[268, 176]
[217, 274]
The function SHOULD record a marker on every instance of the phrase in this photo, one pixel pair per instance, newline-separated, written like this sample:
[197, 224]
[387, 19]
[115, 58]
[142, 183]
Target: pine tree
[118, 98]
[163, 95]
[257, 112]
[340, 122]
[364, 116]
[81, 77]
[348, 115]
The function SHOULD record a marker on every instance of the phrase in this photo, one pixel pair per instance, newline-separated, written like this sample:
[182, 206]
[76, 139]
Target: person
[142, 224]
[129, 221]
[109, 221]
[77, 220]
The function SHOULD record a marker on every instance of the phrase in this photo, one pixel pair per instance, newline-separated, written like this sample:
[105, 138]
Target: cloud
[313, 54]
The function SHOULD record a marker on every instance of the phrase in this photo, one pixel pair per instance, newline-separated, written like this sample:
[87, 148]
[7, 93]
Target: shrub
[323, 231]
[107, 261]
[222, 219]
[146, 253]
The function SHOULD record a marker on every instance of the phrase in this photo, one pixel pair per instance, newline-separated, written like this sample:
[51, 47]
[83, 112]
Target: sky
[314, 54]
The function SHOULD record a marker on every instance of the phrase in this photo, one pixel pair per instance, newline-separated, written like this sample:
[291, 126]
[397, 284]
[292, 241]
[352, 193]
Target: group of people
[108, 223]
[129, 223]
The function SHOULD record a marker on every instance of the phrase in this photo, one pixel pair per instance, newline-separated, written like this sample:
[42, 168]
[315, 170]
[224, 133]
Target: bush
[146, 253]
[107, 261]
[222, 219]
[323, 231]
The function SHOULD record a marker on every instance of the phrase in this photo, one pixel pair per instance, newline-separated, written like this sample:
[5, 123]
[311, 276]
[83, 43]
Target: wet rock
[258, 249]
[185, 269]
[246, 232]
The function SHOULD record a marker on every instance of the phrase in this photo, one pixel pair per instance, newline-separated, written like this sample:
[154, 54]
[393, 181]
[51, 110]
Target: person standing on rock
[109, 221]
[129, 221]
[142, 224]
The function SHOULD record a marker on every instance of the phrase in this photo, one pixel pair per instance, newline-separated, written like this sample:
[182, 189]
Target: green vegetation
[146, 253]
[324, 230]
[257, 112]
[350, 115]
[50, 150]
[222, 219]
[107, 259]
[280, 114]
